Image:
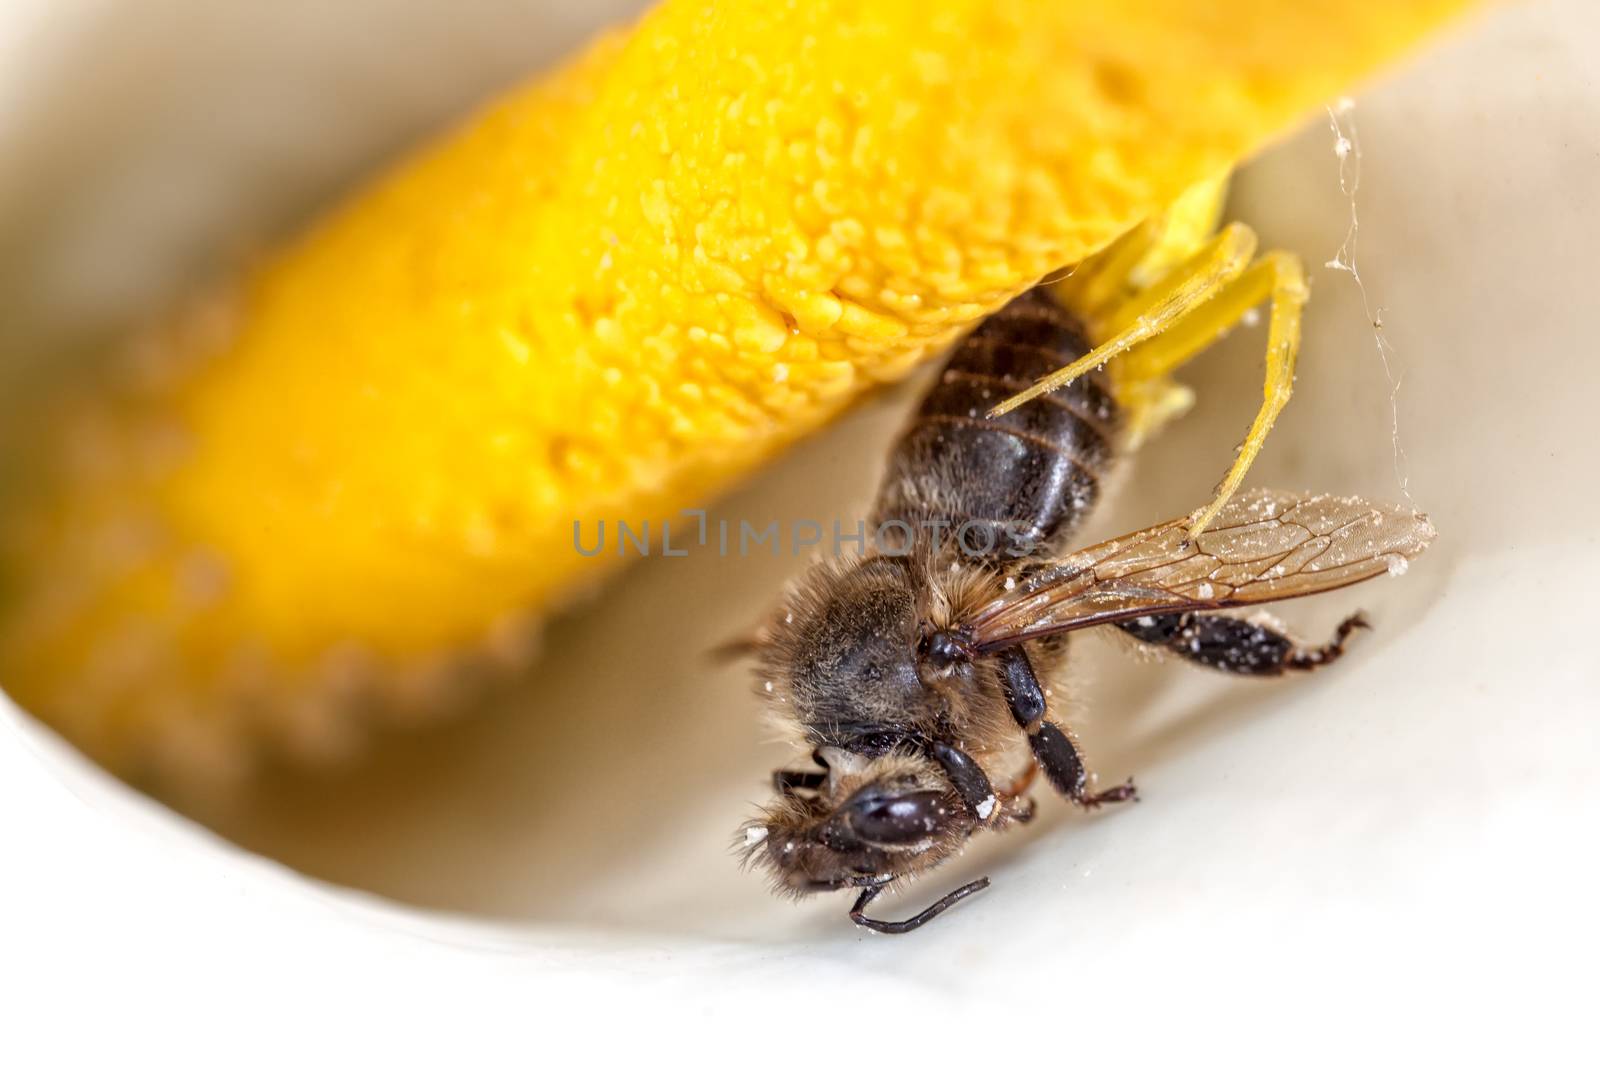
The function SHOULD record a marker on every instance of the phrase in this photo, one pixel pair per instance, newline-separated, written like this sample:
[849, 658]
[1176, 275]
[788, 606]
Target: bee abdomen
[1015, 484]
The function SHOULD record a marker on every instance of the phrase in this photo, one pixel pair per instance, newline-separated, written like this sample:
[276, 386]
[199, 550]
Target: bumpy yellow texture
[620, 287]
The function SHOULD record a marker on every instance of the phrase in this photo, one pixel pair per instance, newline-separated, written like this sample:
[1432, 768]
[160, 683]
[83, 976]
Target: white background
[1393, 858]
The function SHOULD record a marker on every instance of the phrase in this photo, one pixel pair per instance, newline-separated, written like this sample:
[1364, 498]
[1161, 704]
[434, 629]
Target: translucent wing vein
[1265, 545]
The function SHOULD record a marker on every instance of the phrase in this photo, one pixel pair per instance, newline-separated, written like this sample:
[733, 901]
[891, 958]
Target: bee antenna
[916, 921]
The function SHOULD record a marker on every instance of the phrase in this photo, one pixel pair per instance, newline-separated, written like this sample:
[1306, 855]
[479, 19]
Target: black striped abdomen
[1019, 483]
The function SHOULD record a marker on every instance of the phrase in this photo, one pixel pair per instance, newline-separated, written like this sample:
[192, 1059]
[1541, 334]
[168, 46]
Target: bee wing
[1263, 546]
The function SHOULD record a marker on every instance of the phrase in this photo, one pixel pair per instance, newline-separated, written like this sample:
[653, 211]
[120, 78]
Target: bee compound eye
[897, 818]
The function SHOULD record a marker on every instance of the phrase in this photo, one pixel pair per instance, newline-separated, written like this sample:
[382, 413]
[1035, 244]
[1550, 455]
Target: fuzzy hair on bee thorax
[840, 660]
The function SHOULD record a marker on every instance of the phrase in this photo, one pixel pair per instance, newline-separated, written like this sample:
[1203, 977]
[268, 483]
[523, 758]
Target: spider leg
[1218, 262]
[1174, 320]
[1276, 277]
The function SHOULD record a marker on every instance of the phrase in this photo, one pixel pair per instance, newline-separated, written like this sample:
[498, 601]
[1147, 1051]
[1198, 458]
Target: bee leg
[786, 781]
[1024, 695]
[967, 777]
[963, 771]
[1021, 810]
[916, 921]
[1062, 764]
[1053, 750]
[1238, 646]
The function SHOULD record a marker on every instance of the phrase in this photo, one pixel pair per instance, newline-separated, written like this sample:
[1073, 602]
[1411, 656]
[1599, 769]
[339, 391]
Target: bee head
[871, 820]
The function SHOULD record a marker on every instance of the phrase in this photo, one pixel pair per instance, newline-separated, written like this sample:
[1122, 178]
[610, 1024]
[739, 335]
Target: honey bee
[915, 671]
